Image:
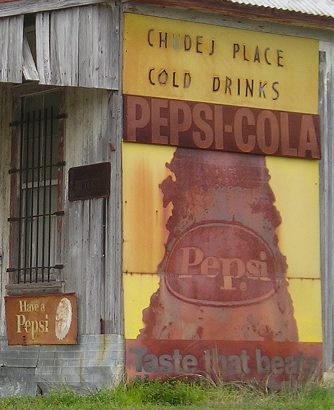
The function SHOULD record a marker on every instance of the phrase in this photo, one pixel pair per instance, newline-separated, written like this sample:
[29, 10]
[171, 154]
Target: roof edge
[232, 9]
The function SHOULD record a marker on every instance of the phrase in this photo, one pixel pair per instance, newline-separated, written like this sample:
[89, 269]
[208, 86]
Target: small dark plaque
[89, 181]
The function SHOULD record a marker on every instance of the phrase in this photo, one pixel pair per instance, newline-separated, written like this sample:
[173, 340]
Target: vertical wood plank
[15, 49]
[11, 49]
[64, 47]
[326, 109]
[94, 267]
[107, 43]
[43, 47]
[114, 311]
[87, 74]
[4, 35]
[96, 46]
[5, 156]
[116, 58]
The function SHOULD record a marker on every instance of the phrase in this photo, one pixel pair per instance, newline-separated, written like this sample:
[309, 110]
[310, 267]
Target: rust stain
[104, 346]
[81, 367]
[222, 264]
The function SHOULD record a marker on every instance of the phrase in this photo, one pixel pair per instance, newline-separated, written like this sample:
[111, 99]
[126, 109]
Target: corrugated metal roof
[313, 7]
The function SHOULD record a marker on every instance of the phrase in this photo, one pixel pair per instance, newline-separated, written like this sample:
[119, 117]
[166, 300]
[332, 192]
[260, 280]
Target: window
[36, 190]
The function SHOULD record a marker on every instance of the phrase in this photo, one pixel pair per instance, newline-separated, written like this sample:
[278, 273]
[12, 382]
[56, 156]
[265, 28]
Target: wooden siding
[73, 47]
[91, 242]
[5, 155]
[92, 228]
[11, 56]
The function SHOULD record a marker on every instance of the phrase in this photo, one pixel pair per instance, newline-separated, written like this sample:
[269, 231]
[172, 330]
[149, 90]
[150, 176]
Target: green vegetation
[181, 395]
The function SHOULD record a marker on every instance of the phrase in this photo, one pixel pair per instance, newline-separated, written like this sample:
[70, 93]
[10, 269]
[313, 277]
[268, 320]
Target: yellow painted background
[295, 185]
[298, 78]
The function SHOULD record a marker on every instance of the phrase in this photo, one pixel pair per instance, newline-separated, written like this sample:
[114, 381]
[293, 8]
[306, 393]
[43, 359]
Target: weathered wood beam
[227, 8]
[32, 6]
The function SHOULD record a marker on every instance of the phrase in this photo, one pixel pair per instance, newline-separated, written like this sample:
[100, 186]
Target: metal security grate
[37, 190]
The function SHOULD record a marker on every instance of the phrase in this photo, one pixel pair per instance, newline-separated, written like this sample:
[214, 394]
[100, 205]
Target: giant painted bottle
[222, 276]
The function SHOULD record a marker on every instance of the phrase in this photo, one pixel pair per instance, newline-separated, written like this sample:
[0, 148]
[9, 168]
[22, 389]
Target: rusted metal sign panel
[216, 243]
[221, 127]
[224, 276]
[89, 181]
[41, 319]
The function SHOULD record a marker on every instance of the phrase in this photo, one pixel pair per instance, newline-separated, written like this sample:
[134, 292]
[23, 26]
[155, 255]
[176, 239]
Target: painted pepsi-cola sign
[220, 203]
[221, 127]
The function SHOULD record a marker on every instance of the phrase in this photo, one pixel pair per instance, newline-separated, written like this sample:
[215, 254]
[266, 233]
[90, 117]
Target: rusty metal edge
[230, 9]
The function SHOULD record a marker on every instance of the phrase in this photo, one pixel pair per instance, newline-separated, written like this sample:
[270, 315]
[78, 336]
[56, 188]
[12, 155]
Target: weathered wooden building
[166, 184]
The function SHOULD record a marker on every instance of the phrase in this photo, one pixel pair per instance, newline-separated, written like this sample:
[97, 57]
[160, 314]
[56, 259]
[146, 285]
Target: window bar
[20, 197]
[44, 192]
[55, 164]
[56, 213]
[38, 187]
[32, 194]
[50, 191]
[26, 198]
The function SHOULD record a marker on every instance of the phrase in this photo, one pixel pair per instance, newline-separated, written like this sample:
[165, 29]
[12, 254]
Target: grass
[180, 395]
